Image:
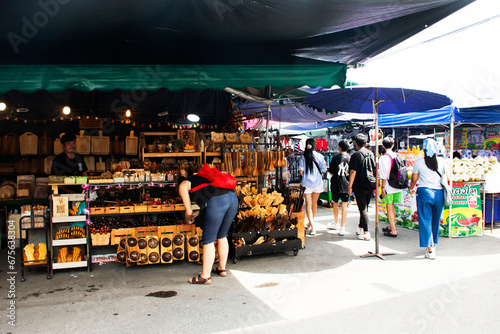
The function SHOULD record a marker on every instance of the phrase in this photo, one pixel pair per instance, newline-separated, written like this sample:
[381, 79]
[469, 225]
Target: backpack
[398, 175]
[217, 179]
[367, 180]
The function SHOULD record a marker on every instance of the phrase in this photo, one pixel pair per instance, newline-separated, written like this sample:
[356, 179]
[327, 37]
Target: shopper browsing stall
[357, 185]
[312, 165]
[389, 194]
[339, 170]
[218, 207]
[430, 201]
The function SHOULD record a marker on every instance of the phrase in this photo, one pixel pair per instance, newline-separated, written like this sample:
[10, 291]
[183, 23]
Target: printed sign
[467, 214]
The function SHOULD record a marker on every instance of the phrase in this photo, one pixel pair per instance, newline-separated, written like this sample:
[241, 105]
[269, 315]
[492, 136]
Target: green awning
[55, 78]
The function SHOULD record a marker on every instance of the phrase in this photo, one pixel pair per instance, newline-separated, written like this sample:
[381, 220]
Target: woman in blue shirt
[312, 165]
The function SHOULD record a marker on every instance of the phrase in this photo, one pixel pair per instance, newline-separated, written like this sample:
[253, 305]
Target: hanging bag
[217, 179]
[446, 190]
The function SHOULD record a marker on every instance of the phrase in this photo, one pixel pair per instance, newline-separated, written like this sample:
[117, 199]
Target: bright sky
[457, 56]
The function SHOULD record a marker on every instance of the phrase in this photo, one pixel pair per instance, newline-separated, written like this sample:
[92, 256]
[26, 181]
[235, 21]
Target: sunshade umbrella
[377, 100]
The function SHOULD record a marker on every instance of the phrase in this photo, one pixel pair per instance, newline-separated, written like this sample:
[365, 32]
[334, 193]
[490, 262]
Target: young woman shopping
[312, 165]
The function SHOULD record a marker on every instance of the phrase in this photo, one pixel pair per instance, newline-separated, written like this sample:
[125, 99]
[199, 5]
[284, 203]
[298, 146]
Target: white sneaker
[333, 226]
[342, 230]
[430, 255]
[364, 236]
[359, 231]
[312, 232]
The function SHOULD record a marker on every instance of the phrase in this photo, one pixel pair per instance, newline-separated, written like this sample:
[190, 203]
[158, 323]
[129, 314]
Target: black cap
[67, 138]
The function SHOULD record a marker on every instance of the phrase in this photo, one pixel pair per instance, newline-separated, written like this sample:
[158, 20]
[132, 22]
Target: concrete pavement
[327, 288]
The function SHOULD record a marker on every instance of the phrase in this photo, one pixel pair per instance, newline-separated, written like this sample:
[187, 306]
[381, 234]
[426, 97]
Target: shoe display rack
[28, 224]
[60, 221]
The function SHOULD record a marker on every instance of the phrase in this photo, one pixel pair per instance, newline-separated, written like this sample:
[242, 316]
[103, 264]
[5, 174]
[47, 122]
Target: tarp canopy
[479, 115]
[308, 127]
[153, 77]
[422, 118]
[205, 32]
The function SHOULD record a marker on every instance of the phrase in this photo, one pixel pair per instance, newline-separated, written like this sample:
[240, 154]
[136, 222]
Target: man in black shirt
[69, 163]
[363, 196]
[339, 169]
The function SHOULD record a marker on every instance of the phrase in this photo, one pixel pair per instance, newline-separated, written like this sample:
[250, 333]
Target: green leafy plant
[178, 143]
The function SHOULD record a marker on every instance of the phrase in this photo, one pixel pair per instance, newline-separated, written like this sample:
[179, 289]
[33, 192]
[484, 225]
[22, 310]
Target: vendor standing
[68, 163]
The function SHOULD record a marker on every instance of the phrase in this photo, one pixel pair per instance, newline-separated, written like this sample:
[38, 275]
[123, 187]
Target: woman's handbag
[446, 190]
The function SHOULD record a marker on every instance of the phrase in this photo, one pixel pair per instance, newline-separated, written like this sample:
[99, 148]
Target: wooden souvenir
[153, 249]
[82, 143]
[131, 144]
[166, 248]
[60, 206]
[187, 136]
[28, 144]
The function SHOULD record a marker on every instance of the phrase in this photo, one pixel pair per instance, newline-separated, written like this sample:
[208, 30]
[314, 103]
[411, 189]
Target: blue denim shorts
[219, 215]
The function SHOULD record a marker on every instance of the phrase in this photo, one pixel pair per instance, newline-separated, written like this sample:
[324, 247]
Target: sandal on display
[200, 280]
[220, 272]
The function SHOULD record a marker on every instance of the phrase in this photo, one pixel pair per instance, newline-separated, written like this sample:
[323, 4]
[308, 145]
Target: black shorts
[336, 196]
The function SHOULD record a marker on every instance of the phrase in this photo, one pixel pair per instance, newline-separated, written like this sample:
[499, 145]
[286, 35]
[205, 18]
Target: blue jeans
[430, 204]
[219, 216]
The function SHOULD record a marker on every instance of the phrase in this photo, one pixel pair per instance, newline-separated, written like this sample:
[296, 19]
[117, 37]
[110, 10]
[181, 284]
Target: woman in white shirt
[430, 199]
[312, 165]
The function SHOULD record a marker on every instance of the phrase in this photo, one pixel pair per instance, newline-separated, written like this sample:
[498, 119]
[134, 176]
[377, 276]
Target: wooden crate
[99, 239]
[112, 209]
[140, 208]
[167, 207]
[145, 231]
[97, 211]
[154, 208]
[127, 209]
[118, 233]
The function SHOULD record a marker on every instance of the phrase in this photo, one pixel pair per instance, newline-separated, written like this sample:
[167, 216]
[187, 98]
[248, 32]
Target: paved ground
[327, 288]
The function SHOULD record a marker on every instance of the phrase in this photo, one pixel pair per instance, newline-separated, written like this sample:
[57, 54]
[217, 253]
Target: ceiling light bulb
[2, 106]
[66, 110]
[127, 113]
[193, 118]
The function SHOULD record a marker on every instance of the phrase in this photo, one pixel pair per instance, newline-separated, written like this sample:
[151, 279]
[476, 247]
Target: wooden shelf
[69, 219]
[213, 154]
[172, 155]
[69, 242]
[66, 265]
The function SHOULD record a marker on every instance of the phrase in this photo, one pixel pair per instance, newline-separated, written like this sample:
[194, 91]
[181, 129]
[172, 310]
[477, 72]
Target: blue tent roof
[478, 115]
[429, 117]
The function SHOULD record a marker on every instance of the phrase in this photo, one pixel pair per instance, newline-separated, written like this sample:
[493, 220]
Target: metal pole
[375, 119]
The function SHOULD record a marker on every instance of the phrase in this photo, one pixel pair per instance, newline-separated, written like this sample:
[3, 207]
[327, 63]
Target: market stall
[469, 176]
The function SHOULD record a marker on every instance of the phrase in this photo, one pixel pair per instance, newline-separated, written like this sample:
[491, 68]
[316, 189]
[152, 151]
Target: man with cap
[69, 163]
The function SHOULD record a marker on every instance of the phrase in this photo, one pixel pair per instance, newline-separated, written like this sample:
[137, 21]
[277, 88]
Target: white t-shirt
[426, 177]
[384, 169]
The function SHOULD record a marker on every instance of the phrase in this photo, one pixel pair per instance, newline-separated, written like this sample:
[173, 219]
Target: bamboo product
[10, 144]
[82, 143]
[131, 144]
[90, 162]
[45, 144]
[238, 171]
[58, 149]
[28, 144]
[255, 171]
[166, 248]
[100, 166]
[100, 144]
